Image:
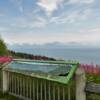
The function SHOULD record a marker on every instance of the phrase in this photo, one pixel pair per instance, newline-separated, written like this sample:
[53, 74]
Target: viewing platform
[43, 80]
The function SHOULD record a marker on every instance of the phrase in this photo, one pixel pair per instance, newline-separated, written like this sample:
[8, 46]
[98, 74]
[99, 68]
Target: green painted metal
[48, 61]
[60, 79]
[64, 79]
[71, 73]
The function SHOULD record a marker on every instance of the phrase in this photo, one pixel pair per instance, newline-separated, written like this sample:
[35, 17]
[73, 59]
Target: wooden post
[80, 84]
[4, 77]
[69, 93]
[4, 81]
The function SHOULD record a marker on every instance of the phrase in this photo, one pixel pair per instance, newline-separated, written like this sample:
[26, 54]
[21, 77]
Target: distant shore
[19, 55]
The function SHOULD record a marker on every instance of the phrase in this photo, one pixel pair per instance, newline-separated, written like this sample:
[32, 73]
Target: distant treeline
[28, 56]
[5, 52]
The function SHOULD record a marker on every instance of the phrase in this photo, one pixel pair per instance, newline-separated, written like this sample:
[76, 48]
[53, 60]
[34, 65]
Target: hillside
[28, 56]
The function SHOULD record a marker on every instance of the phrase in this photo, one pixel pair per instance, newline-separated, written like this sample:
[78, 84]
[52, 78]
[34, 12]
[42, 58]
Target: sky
[45, 21]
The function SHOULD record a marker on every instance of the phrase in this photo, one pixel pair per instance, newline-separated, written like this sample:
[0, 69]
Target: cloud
[36, 11]
[81, 1]
[88, 36]
[72, 17]
[49, 6]
[92, 36]
[67, 17]
[26, 23]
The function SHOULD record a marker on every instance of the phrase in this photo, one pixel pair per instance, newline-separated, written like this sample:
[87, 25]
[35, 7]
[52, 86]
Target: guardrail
[31, 88]
[28, 87]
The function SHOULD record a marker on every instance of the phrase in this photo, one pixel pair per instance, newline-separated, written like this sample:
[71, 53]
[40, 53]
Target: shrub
[3, 48]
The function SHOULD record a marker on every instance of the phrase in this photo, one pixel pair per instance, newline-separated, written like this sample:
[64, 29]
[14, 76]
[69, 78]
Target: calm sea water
[83, 55]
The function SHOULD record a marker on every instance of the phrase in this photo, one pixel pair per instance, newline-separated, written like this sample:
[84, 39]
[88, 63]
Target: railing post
[69, 95]
[80, 84]
[4, 81]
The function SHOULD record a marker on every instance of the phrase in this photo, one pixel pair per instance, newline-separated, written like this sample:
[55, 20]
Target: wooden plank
[93, 88]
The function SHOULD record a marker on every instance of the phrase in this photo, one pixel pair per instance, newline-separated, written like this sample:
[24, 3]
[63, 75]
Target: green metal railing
[38, 87]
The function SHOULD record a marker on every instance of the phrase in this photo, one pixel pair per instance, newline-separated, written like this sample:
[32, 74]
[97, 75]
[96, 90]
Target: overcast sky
[42, 21]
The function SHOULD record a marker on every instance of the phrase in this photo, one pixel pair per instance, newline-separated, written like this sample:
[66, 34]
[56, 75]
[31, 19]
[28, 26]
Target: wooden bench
[93, 88]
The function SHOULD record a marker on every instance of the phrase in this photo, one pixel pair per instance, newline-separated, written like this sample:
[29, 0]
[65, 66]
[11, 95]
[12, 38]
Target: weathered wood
[93, 88]
[4, 81]
[80, 84]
